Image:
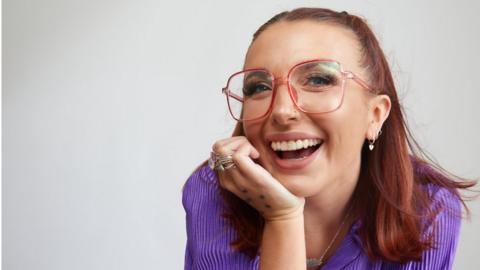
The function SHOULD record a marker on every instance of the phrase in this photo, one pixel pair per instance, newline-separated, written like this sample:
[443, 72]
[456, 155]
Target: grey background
[108, 106]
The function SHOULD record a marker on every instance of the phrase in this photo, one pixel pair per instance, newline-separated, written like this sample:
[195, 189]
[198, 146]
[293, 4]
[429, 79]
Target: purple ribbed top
[209, 236]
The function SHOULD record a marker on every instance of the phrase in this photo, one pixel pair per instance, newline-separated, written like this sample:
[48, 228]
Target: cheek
[253, 132]
[345, 130]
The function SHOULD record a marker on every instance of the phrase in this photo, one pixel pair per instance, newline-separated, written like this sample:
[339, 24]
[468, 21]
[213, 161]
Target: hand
[253, 184]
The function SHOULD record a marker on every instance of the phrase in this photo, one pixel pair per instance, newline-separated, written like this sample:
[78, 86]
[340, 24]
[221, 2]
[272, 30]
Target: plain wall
[108, 106]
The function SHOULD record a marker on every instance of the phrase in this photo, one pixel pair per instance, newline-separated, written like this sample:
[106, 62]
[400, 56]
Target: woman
[321, 171]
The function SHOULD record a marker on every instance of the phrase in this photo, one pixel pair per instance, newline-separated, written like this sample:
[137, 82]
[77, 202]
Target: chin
[300, 186]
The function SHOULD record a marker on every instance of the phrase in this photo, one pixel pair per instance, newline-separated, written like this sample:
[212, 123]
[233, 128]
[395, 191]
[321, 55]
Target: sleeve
[188, 259]
[208, 234]
[187, 205]
[446, 229]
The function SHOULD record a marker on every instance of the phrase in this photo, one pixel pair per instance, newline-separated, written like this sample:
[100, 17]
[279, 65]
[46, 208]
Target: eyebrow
[260, 74]
[325, 65]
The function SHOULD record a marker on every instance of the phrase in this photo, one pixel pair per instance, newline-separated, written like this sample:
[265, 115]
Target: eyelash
[330, 80]
[247, 91]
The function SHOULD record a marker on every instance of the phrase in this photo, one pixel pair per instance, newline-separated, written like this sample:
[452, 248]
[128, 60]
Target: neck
[323, 237]
[326, 225]
[325, 218]
[324, 212]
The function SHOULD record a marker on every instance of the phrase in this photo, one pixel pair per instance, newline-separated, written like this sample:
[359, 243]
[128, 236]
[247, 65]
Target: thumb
[254, 153]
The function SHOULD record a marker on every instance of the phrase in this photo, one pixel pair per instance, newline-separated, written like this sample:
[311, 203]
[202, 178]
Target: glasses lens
[318, 86]
[250, 94]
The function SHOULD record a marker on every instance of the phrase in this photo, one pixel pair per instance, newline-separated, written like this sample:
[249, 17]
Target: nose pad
[282, 97]
[283, 107]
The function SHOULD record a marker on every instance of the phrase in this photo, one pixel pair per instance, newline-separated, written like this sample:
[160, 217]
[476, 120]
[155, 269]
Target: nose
[284, 110]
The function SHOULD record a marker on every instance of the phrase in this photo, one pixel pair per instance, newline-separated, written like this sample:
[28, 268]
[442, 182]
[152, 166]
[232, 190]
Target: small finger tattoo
[261, 197]
[268, 206]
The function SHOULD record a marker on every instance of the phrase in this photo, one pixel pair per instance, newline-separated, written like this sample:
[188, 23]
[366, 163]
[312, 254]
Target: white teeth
[299, 144]
[294, 144]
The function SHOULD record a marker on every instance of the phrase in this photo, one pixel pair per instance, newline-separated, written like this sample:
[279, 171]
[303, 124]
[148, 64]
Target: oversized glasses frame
[292, 93]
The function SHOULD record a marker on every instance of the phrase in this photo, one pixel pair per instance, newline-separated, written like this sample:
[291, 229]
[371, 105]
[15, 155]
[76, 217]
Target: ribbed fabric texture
[209, 236]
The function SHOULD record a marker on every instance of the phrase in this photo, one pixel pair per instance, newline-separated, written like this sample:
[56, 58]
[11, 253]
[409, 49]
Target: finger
[252, 170]
[228, 146]
[246, 149]
[243, 159]
[235, 176]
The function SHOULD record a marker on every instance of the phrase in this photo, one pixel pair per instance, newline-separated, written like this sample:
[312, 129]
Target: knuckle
[218, 148]
[243, 147]
[236, 156]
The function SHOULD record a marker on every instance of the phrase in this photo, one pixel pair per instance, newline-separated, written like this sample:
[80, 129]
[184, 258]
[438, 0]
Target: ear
[379, 109]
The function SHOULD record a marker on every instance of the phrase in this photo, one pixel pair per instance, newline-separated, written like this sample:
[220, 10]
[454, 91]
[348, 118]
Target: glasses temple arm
[227, 92]
[362, 83]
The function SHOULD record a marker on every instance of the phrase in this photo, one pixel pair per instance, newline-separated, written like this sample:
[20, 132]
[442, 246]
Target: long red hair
[390, 200]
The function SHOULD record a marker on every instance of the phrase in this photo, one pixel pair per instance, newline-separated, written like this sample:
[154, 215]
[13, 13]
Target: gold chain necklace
[313, 262]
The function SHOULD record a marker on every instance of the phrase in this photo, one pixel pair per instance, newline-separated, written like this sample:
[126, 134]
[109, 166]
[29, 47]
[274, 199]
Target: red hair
[390, 200]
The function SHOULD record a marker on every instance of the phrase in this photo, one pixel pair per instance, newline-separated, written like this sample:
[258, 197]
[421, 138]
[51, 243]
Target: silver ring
[220, 162]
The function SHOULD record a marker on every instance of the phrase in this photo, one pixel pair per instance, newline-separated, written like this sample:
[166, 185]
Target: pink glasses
[315, 86]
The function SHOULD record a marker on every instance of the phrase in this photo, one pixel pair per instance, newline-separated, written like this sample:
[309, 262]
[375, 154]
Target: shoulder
[444, 201]
[208, 234]
[200, 188]
[447, 206]
[444, 229]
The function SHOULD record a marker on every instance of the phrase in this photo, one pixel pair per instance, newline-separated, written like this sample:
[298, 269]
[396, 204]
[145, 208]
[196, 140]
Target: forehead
[284, 44]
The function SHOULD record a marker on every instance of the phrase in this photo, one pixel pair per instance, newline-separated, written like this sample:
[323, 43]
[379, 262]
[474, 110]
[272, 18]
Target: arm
[283, 244]
[283, 241]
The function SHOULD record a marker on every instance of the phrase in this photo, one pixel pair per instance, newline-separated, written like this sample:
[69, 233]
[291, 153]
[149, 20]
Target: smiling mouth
[296, 149]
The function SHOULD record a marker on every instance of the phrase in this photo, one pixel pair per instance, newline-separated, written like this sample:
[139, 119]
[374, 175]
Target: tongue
[297, 154]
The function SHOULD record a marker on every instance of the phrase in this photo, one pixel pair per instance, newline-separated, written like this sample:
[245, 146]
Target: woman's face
[343, 131]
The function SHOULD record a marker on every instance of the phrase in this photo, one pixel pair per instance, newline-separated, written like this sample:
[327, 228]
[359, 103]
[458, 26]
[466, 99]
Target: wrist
[285, 216]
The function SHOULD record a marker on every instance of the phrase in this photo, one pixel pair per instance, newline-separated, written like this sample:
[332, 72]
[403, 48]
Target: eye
[254, 88]
[318, 80]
